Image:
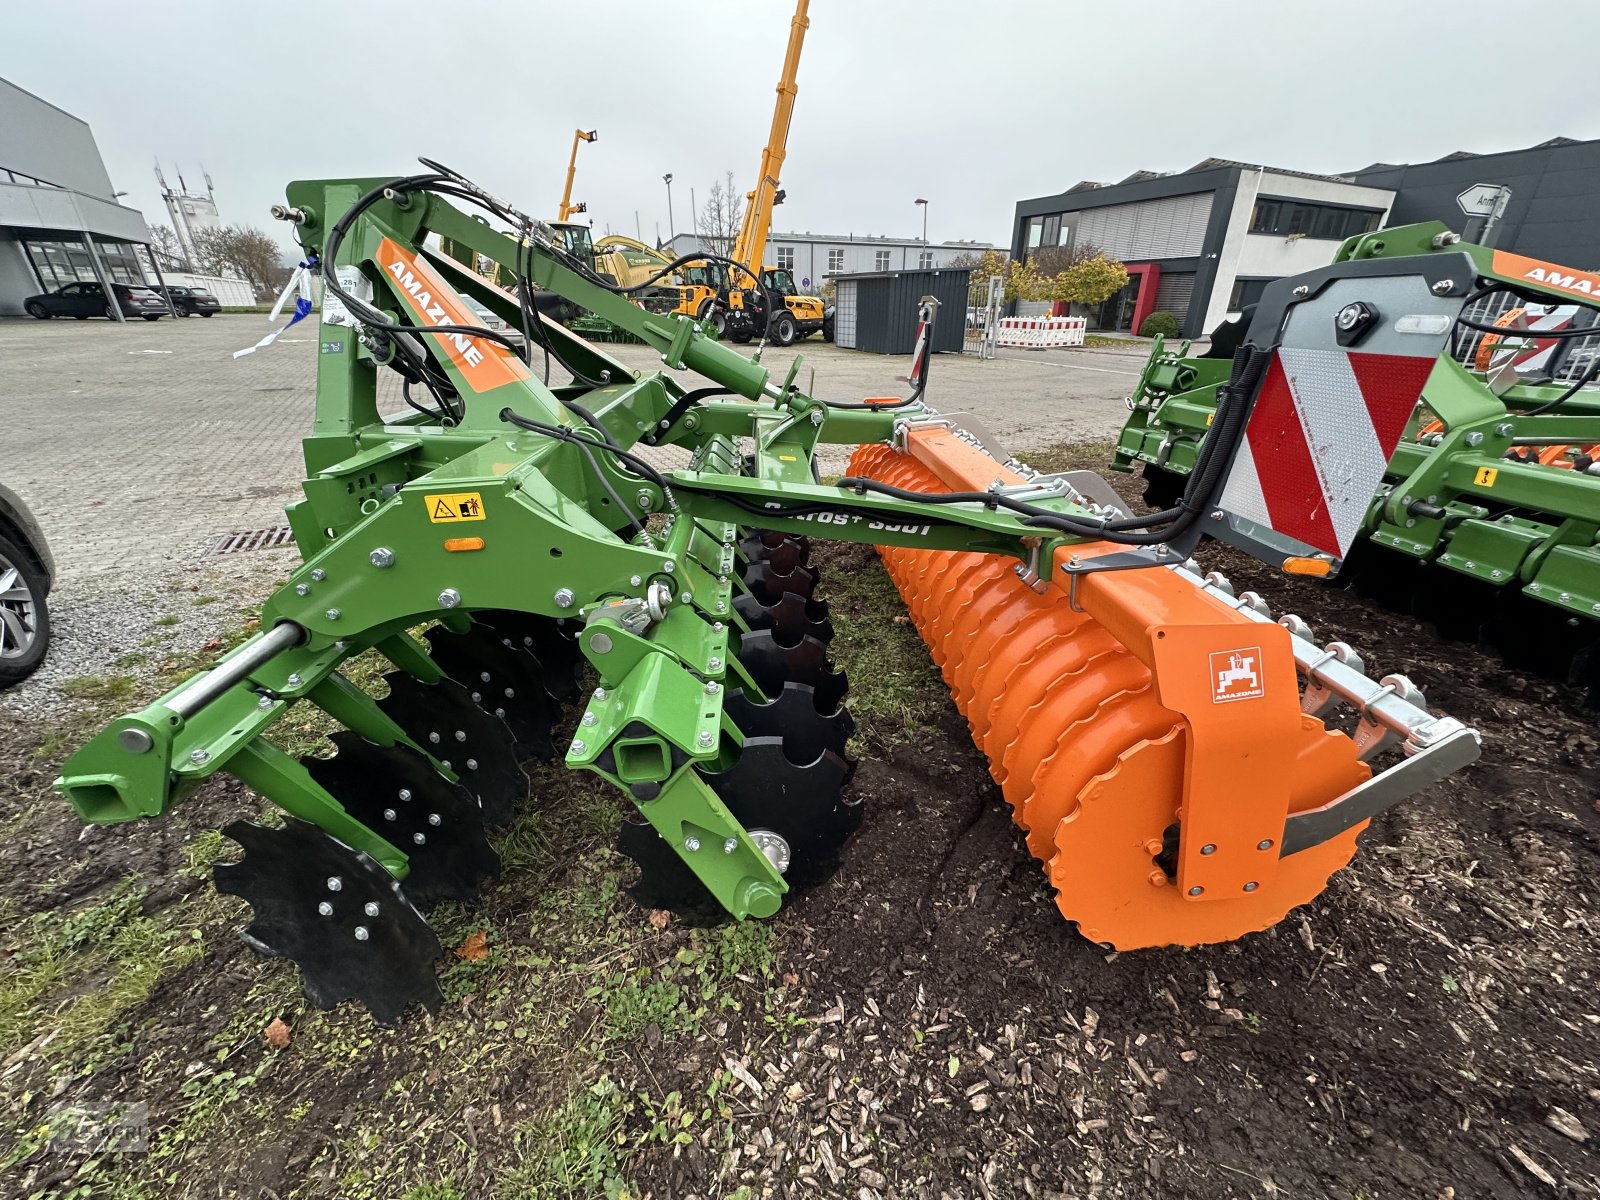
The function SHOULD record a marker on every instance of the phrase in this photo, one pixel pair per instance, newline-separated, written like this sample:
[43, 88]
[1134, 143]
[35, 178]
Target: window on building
[122, 261]
[785, 257]
[835, 261]
[1331, 222]
[1245, 293]
[881, 260]
[1050, 234]
[60, 263]
[925, 261]
[1035, 232]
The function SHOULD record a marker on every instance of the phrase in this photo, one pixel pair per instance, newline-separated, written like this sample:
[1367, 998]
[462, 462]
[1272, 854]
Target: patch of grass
[202, 601]
[169, 619]
[98, 688]
[895, 690]
[644, 1000]
[1093, 340]
[447, 1190]
[204, 851]
[572, 1151]
[1074, 456]
[111, 943]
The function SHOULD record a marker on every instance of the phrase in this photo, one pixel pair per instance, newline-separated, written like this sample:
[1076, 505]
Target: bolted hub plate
[475, 745]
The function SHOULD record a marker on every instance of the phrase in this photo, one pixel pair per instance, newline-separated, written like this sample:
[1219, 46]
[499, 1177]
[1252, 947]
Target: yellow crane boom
[567, 206]
[753, 230]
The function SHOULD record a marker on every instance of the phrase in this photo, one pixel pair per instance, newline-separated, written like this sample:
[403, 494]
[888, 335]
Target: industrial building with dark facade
[1202, 243]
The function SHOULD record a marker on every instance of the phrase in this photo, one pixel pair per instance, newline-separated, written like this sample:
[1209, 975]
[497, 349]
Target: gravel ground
[98, 622]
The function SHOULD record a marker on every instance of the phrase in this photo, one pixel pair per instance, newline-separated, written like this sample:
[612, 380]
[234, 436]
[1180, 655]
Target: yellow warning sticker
[787, 458]
[1486, 476]
[454, 506]
[1210, 416]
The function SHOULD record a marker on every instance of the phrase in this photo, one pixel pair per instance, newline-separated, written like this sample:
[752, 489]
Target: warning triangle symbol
[442, 508]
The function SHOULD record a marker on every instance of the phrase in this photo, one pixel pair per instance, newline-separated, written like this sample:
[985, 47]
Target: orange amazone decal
[485, 364]
[1563, 279]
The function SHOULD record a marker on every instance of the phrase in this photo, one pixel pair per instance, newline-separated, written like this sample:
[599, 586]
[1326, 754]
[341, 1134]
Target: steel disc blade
[803, 804]
[368, 945]
[769, 585]
[772, 664]
[791, 618]
[792, 715]
[474, 744]
[1534, 636]
[665, 880]
[395, 792]
[780, 551]
[503, 680]
[771, 537]
[548, 639]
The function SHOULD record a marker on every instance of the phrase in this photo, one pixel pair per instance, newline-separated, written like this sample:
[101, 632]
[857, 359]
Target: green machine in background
[1487, 521]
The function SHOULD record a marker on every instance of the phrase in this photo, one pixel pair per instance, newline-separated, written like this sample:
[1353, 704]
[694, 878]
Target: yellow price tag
[1486, 476]
[454, 506]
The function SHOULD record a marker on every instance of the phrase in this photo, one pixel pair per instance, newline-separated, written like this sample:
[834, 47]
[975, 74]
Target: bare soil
[924, 1025]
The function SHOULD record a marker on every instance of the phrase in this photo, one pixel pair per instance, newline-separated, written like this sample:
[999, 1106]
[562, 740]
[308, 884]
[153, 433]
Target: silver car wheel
[18, 612]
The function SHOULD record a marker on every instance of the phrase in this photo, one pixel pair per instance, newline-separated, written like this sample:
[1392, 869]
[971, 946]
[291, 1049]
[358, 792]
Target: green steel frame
[375, 567]
[1452, 496]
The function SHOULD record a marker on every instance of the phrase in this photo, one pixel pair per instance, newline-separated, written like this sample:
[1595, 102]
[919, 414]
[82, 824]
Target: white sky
[972, 105]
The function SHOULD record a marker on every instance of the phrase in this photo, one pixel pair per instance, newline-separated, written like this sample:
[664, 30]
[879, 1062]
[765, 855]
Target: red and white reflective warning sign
[1236, 675]
[1323, 427]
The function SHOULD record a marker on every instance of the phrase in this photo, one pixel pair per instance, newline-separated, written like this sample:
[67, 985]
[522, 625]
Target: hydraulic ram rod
[201, 691]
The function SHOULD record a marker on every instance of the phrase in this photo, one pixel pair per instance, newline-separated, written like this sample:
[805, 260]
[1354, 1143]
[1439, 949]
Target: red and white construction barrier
[1041, 333]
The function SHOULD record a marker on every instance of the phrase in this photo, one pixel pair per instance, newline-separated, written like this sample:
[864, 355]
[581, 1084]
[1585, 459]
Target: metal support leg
[150, 253]
[104, 276]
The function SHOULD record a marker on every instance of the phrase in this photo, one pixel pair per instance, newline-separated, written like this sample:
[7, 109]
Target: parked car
[26, 573]
[83, 300]
[192, 301]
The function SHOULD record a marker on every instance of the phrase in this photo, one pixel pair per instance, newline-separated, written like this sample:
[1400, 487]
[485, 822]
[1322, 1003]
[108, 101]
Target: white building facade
[1204, 242]
[814, 258]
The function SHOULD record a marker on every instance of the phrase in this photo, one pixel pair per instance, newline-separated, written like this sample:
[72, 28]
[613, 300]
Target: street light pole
[672, 231]
[923, 204]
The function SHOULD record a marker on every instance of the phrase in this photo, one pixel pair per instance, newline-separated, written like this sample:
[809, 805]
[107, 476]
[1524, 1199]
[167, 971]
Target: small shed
[877, 310]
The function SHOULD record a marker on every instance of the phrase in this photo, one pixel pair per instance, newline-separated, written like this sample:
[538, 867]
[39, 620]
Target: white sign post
[1486, 200]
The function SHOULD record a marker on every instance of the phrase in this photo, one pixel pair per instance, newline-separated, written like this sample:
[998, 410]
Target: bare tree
[993, 261]
[168, 250]
[1052, 260]
[721, 215]
[246, 253]
[257, 257]
[210, 251]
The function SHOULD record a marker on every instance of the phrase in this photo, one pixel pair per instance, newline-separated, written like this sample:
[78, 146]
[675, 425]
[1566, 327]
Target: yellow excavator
[712, 291]
[747, 306]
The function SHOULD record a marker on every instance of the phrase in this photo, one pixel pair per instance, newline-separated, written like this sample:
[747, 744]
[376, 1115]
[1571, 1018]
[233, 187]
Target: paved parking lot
[139, 444]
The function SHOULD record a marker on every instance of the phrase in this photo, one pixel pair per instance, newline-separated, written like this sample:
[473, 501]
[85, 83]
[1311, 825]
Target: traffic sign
[806, 282]
[1484, 199]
